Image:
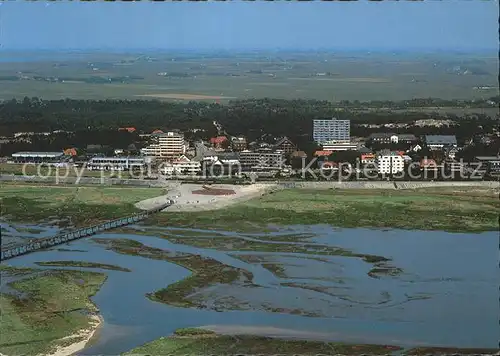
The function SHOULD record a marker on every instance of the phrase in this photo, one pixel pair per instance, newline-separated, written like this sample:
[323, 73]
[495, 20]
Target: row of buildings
[171, 151]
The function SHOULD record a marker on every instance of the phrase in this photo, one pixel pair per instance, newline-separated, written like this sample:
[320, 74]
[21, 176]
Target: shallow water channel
[446, 293]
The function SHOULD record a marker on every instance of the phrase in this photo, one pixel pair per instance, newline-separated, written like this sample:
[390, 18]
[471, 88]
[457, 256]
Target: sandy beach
[87, 334]
[185, 200]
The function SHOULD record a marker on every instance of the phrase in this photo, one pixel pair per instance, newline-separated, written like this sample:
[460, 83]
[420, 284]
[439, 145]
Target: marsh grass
[200, 344]
[78, 206]
[53, 306]
[237, 244]
[82, 264]
[205, 271]
[442, 209]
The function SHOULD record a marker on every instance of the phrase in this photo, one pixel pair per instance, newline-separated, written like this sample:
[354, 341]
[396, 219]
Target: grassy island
[46, 310]
[194, 341]
[197, 341]
[82, 264]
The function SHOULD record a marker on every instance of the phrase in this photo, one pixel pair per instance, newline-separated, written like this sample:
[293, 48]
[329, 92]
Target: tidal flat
[310, 276]
[205, 271]
[399, 299]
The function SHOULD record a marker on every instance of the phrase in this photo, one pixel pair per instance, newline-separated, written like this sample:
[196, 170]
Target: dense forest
[97, 121]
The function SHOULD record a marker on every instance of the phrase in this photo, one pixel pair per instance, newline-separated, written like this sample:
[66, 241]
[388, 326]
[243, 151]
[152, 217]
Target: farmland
[223, 77]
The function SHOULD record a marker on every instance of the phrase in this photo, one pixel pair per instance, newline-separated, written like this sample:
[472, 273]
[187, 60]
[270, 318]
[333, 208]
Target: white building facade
[116, 163]
[182, 166]
[168, 145]
[390, 164]
[339, 146]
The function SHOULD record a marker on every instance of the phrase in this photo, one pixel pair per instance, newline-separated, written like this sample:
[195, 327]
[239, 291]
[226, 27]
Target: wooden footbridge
[47, 242]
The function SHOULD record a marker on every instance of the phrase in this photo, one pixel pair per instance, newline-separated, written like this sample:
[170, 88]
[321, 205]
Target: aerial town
[249, 178]
[381, 155]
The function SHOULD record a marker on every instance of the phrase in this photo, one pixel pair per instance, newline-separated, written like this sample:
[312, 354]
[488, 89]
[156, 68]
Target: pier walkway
[47, 242]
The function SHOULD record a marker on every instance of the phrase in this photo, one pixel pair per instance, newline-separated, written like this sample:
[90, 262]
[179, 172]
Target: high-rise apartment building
[331, 130]
[167, 145]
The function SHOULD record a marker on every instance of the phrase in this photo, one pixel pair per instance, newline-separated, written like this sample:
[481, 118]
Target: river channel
[445, 295]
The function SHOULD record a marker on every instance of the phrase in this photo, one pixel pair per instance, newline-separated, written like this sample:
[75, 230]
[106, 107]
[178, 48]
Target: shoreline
[305, 335]
[88, 333]
[261, 339]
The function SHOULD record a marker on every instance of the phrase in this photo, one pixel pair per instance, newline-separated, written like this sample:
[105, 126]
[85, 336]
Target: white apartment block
[390, 164]
[331, 130]
[168, 145]
[115, 163]
[183, 165]
[340, 146]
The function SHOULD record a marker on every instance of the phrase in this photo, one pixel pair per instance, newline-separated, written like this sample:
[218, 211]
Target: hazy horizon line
[246, 50]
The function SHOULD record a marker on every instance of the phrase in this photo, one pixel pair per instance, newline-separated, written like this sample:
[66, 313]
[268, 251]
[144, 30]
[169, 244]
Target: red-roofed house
[368, 158]
[155, 132]
[128, 129]
[322, 153]
[428, 163]
[219, 141]
[70, 152]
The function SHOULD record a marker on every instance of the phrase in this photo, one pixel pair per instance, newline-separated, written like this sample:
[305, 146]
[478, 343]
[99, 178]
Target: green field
[450, 209]
[78, 205]
[323, 76]
[55, 305]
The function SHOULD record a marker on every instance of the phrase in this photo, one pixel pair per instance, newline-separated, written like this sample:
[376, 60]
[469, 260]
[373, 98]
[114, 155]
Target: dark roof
[407, 137]
[227, 155]
[389, 134]
[282, 140]
[381, 135]
[239, 139]
[487, 158]
[202, 151]
[299, 154]
[441, 139]
[364, 150]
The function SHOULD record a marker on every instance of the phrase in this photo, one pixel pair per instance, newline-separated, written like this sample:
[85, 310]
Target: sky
[237, 25]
